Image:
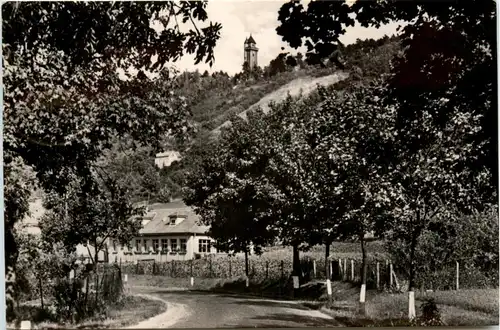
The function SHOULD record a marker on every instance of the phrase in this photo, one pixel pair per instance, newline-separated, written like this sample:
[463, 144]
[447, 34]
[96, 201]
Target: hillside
[303, 85]
[214, 99]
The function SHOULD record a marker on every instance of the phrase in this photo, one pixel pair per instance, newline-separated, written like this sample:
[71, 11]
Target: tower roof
[250, 40]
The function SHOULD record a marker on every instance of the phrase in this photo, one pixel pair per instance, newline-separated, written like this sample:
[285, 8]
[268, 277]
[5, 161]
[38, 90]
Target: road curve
[189, 309]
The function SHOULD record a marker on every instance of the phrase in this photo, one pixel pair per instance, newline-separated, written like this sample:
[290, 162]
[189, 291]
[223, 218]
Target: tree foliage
[447, 62]
[64, 102]
[90, 213]
[226, 189]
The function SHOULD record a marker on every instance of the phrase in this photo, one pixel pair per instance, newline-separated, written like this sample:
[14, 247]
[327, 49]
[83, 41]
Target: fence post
[230, 270]
[458, 276]
[330, 274]
[267, 269]
[191, 271]
[282, 270]
[352, 270]
[390, 274]
[314, 269]
[341, 270]
[378, 275]
[210, 265]
[345, 270]
[41, 290]
[25, 325]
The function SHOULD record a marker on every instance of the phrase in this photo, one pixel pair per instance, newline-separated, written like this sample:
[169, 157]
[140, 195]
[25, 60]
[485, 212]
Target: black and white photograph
[249, 164]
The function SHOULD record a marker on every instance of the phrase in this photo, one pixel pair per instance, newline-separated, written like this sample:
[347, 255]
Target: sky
[240, 18]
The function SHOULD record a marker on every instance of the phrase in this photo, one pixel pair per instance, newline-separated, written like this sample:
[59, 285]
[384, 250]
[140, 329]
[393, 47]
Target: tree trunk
[411, 280]
[246, 261]
[364, 266]
[327, 264]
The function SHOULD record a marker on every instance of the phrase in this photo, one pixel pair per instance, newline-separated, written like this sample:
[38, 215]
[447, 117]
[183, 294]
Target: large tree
[63, 100]
[228, 189]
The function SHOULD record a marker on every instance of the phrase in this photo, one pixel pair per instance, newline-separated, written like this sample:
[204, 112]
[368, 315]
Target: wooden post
[210, 264]
[331, 270]
[352, 270]
[390, 274]
[345, 270]
[458, 276]
[41, 290]
[314, 269]
[191, 268]
[282, 270]
[378, 275]
[341, 270]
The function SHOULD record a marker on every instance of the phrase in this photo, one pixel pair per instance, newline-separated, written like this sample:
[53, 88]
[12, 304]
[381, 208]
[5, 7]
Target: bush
[430, 314]
[472, 240]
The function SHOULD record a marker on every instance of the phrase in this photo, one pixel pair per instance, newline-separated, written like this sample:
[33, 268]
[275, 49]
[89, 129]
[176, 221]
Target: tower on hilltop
[250, 52]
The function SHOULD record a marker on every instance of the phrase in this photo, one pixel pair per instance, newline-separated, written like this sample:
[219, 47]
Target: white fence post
[458, 276]
[25, 325]
[378, 275]
[314, 268]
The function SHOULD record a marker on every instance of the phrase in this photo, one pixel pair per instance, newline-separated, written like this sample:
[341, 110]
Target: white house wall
[123, 254]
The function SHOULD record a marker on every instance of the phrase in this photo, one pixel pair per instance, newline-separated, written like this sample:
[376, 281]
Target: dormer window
[172, 220]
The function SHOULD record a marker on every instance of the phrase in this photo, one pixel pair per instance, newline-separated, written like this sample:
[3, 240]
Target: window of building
[138, 245]
[204, 246]
[156, 245]
[164, 244]
[183, 245]
[173, 244]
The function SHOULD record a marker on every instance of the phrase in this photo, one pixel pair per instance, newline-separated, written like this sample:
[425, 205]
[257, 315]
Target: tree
[467, 239]
[459, 58]
[446, 151]
[289, 171]
[91, 213]
[63, 100]
[348, 131]
[227, 190]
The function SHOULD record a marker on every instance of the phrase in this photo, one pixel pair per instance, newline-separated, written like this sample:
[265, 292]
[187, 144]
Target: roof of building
[250, 40]
[158, 213]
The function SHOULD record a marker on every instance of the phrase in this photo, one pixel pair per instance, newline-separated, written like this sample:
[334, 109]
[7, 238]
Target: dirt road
[188, 309]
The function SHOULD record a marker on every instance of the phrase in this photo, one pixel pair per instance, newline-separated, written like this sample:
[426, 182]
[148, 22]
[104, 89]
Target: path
[189, 309]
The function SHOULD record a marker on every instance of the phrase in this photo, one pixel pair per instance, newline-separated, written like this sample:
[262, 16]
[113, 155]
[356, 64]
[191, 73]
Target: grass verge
[128, 311]
[457, 308]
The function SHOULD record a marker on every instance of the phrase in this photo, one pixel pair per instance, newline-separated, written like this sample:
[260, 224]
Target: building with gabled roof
[170, 231]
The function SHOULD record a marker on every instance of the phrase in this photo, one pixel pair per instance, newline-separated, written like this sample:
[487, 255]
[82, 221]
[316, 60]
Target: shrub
[430, 314]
